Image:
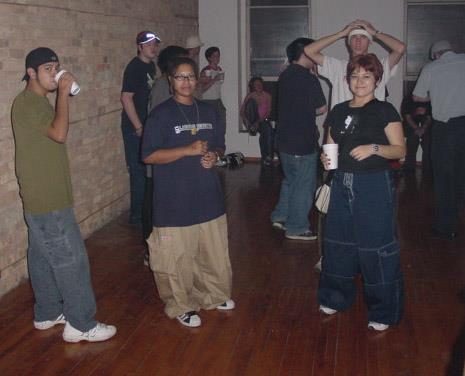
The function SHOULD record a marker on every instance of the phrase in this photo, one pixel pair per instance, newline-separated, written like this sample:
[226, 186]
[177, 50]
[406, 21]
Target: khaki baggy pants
[191, 265]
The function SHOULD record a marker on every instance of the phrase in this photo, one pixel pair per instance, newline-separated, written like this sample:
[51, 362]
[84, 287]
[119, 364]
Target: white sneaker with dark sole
[279, 225]
[47, 324]
[227, 305]
[379, 327]
[307, 235]
[326, 310]
[190, 319]
[98, 333]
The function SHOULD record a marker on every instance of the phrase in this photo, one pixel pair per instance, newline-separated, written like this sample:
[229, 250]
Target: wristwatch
[375, 148]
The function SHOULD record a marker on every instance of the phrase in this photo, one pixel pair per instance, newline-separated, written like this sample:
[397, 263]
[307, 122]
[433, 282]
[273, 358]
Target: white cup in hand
[74, 87]
[331, 151]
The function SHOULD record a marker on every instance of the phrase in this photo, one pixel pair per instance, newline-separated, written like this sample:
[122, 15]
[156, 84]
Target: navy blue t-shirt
[355, 126]
[138, 79]
[184, 192]
[299, 95]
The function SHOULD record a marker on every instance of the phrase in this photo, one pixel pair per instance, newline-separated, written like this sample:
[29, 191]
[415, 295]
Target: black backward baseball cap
[38, 57]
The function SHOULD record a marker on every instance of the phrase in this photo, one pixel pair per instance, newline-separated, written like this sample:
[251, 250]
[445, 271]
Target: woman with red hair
[360, 231]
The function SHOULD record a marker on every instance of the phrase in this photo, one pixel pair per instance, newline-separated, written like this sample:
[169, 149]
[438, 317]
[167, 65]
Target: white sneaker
[227, 305]
[190, 319]
[327, 310]
[44, 325]
[279, 225]
[99, 332]
[379, 327]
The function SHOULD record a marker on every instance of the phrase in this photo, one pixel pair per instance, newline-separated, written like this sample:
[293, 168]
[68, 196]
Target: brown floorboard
[276, 329]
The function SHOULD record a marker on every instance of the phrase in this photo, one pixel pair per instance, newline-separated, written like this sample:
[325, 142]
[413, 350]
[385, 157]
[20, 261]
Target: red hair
[369, 62]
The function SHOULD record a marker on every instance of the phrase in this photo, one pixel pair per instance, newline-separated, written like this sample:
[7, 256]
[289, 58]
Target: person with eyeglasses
[189, 252]
[360, 227]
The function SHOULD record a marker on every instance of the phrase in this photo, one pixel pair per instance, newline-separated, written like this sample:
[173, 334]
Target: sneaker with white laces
[98, 333]
[190, 319]
[47, 324]
[307, 235]
[379, 327]
[227, 305]
[279, 225]
[327, 310]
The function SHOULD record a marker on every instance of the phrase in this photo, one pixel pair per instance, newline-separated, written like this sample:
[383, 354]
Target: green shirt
[41, 163]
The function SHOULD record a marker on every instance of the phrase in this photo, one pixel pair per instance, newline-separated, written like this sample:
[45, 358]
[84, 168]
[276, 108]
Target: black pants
[266, 141]
[448, 158]
[413, 141]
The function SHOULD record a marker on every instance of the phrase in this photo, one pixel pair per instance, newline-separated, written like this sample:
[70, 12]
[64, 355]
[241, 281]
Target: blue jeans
[360, 237]
[59, 269]
[136, 171]
[297, 191]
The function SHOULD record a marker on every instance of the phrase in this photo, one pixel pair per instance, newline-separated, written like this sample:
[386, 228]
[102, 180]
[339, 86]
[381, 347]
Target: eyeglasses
[185, 77]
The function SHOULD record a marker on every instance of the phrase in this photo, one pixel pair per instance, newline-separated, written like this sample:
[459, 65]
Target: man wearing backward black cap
[57, 259]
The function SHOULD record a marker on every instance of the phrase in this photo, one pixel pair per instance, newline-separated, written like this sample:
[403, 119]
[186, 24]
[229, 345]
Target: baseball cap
[193, 41]
[147, 36]
[38, 57]
[440, 45]
[359, 31]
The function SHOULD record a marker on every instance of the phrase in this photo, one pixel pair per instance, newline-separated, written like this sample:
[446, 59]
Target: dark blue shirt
[185, 193]
[299, 95]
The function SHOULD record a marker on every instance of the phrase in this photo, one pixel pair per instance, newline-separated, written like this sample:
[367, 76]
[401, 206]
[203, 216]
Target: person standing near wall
[193, 45]
[57, 258]
[211, 81]
[359, 34]
[137, 82]
[443, 81]
[300, 99]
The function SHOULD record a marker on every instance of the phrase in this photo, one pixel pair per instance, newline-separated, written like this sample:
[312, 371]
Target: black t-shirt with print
[185, 193]
[355, 126]
[138, 79]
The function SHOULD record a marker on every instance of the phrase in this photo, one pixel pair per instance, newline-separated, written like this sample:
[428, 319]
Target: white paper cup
[208, 73]
[331, 150]
[74, 87]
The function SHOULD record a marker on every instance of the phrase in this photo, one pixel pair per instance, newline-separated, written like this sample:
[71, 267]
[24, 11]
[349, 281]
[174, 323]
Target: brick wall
[94, 40]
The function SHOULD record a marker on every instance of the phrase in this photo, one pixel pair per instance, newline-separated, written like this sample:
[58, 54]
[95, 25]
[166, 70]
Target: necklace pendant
[194, 131]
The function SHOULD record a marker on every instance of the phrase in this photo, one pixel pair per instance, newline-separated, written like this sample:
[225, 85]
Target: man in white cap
[193, 44]
[359, 34]
[443, 82]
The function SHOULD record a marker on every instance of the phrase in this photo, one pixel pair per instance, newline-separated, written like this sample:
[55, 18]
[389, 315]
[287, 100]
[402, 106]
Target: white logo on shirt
[193, 128]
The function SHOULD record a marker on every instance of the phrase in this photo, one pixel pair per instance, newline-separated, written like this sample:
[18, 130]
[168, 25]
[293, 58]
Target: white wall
[220, 24]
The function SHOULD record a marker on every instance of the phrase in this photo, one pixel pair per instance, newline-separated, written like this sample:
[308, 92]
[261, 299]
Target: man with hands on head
[359, 34]
[57, 258]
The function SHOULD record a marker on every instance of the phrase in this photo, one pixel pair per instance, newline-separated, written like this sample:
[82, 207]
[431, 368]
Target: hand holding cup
[67, 82]
[329, 156]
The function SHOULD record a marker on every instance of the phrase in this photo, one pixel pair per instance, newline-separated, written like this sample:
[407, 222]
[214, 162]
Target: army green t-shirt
[41, 163]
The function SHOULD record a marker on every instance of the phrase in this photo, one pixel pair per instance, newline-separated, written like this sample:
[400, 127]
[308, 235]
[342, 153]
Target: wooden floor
[276, 328]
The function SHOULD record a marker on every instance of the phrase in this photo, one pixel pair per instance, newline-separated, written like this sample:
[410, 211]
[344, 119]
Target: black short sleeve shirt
[299, 95]
[355, 126]
[138, 79]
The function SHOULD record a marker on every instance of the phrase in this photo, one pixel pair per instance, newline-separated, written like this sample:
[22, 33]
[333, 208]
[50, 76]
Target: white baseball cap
[440, 45]
[193, 41]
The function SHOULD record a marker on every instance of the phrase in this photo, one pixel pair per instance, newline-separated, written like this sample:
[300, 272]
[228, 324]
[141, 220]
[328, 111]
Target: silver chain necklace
[193, 130]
